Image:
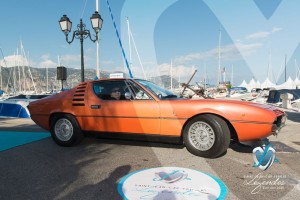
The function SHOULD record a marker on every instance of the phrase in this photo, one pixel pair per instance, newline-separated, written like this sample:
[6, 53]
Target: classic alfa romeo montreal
[148, 112]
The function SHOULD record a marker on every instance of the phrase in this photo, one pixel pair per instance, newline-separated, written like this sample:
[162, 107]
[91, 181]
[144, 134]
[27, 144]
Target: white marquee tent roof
[289, 84]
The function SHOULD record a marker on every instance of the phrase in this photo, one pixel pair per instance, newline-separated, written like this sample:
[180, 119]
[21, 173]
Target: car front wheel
[206, 136]
[65, 130]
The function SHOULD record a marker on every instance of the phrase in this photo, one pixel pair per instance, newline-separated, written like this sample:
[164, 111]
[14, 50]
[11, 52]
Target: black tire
[65, 130]
[206, 136]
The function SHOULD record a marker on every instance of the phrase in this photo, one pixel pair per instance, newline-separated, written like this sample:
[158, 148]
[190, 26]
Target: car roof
[111, 79]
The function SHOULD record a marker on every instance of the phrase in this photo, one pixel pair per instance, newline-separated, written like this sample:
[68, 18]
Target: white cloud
[276, 29]
[74, 60]
[258, 35]
[196, 56]
[47, 63]
[68, 58]
[228, 52]
[180, 72]
[13, 60]
[262, 34]
[248, 49]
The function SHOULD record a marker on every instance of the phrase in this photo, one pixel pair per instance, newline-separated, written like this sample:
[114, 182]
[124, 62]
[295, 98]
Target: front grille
[278, 121]
[278, 124]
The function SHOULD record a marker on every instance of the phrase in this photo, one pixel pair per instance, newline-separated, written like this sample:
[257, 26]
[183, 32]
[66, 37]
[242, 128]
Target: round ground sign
[171, 183]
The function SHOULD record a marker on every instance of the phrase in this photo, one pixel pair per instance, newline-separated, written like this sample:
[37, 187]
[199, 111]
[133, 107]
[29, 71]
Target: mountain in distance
[17, 82]
[165, 81]
[19, 78]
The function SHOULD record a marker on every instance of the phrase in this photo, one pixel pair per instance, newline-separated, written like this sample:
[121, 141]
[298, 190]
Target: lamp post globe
[65, 24]
[96, 21]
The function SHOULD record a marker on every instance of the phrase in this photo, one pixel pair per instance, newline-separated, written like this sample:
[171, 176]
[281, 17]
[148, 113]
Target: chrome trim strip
[250, 122]
[161, 118]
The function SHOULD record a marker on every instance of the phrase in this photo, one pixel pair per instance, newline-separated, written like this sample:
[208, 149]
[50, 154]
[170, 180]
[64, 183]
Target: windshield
[157, 90]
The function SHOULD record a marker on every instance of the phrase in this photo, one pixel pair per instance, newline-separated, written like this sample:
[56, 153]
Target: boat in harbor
[16, 107]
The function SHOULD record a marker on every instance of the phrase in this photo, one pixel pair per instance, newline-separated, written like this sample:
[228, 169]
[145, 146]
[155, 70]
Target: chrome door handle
[95, 106]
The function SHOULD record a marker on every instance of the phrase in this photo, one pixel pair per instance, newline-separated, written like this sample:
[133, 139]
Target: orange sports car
[139, 109]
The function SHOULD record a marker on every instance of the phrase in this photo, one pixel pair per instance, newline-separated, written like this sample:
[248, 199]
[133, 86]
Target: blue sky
[255, 36]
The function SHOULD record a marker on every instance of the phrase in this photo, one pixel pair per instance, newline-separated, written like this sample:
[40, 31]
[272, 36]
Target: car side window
[137, 92]
[110, 90]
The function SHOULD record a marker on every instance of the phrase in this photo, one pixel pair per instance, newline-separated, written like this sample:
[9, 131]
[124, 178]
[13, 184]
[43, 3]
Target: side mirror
[127, 95]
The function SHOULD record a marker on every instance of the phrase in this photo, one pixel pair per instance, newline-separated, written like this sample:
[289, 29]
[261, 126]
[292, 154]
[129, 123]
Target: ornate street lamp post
[81, 33]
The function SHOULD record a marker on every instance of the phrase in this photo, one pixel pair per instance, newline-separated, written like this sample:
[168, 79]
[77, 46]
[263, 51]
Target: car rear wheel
[65, 130]
[206, 136]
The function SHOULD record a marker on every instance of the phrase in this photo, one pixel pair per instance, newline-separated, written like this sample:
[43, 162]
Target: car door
[138, 115]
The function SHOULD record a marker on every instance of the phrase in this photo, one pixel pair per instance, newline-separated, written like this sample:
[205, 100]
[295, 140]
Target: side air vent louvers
[79, 95]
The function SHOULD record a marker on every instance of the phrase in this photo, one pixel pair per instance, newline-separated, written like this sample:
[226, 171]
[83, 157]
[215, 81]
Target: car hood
[229, 109]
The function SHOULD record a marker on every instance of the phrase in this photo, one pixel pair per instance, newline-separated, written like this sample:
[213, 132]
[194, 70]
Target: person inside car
[115, 93]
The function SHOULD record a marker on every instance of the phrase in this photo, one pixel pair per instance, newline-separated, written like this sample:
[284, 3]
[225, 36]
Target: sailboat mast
[224, 75]
[285, 68]
[271, 76]
[28, 63]
[58, 60]
[179, 80]
[171, 75]
[129, 43]
[47, 78]
[219, 58]
[231, 75]
[297, 69]
[23, 70]
[1, 83]
[136, 50]
[14, 73]
[205, 75]
[19, 71]
[10, 71]
[97, 47]
[119, 39]
[1, 86]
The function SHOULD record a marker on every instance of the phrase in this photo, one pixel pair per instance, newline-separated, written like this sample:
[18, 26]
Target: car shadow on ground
[241, 148]
[144, 142]
[248, 147]
[104, 187]
[234, 145]
[45, 170]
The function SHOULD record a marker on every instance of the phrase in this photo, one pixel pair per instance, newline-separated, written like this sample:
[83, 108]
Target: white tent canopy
[252, 84]
[267, 84]
[289, 84]
[244, 84]
[297, 83]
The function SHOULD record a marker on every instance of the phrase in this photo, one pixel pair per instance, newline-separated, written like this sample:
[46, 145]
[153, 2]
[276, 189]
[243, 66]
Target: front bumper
[278, 124]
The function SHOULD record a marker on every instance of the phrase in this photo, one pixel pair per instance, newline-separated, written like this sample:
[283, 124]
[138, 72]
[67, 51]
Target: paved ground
[92, 170]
